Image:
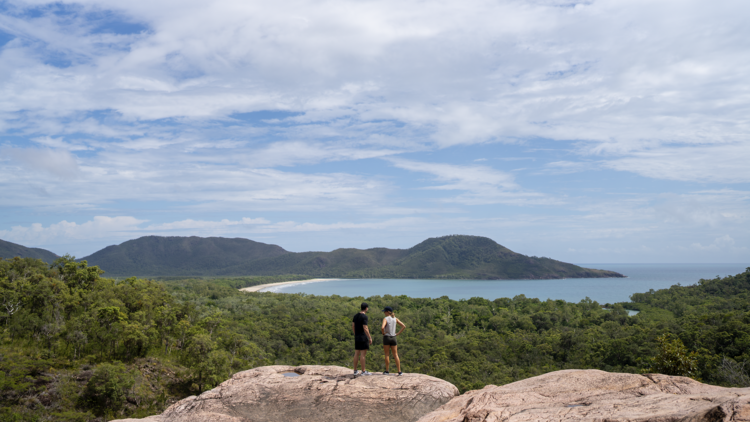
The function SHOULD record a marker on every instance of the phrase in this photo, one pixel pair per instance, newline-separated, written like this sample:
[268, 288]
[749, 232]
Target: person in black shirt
[362, 338]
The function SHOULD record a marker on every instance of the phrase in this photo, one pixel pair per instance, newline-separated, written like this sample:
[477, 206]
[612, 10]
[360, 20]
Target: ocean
[640, 278]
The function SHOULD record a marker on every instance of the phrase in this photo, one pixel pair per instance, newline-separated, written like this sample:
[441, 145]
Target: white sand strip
[262, 287]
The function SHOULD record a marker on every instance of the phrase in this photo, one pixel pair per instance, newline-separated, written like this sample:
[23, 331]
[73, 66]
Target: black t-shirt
[359, 320]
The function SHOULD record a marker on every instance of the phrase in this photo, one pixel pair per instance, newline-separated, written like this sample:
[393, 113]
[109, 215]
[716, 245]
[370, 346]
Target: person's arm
[367, 331]
[398, 321]
[382, 326]
[353, 330]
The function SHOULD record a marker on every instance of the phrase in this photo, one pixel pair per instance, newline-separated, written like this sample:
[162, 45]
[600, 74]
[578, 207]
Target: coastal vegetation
[77, 346]
[449, 257]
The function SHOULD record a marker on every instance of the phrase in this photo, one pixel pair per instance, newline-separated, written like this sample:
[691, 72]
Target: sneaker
[356, 372]
[366, 373]
[385, 372]
[400, 373]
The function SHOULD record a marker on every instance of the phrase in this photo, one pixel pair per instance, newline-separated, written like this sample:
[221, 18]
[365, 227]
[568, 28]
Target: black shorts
[389, 341]
[361, 343]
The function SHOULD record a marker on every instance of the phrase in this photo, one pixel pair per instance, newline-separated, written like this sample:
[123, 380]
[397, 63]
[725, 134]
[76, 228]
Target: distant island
[447, 257]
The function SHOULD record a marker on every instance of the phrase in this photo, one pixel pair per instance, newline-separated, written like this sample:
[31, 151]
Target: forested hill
[10, 250]
[454, 257]
[177, 256]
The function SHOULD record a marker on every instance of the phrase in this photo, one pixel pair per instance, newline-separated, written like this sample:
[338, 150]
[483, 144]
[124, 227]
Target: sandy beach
[260, 287]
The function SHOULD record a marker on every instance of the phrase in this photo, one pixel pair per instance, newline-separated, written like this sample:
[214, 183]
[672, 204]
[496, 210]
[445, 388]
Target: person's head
[364, 307]
[388, 311]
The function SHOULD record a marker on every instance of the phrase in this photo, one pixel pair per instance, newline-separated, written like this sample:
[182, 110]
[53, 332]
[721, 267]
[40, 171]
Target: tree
[13, 290]
[105, 392]
[76, 274]
[196, 356]
[674, 358]
[110, 319]
[135, 339]
[215, 368]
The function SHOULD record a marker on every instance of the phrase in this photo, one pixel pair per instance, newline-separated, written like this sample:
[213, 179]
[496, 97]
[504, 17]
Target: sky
[590, 132]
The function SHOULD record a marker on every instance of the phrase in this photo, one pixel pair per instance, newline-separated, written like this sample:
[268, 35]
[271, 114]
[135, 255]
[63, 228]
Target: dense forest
[451, 257]
[76, 346]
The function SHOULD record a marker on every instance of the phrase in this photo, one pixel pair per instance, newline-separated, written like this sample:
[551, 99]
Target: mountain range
[457, 257]
[450, 257]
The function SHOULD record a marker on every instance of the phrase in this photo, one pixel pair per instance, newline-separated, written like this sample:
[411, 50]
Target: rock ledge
[312, 393]
[593, 395]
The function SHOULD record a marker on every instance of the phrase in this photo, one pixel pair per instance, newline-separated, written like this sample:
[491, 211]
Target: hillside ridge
[11, 250]
[453, 256]
[177, 255]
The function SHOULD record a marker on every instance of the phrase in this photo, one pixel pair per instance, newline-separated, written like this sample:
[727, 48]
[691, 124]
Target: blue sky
[590, 132]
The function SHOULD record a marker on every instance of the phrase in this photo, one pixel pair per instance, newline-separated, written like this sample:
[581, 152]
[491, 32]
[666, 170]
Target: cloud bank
[334, 114]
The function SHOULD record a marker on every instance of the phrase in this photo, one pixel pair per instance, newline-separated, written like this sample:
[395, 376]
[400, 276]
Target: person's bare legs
[356, 359]
[387, 354]
[395, 357]
[362, 359]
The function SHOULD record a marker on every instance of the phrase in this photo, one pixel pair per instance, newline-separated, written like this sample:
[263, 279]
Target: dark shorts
[389, 341]
[361, 343]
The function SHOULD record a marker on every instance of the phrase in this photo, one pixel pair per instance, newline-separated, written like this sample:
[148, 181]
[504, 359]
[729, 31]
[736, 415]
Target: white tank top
[390, 326]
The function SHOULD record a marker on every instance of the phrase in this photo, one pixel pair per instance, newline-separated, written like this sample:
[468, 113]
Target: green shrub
[674, 358]
[107, 389]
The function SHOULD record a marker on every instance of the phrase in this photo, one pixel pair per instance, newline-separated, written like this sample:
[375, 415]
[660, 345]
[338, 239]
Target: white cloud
[481, 184]
[141, 144]
[705, 164]
[724, 244]
[126, 227]
[99, 227]
[698, 211]
[621, 73]
[716, 209]
[59, 143]
[208, 178]
[291, 226]
[298, 152]
[461, 177]
[198, 225]
[568, 167]
[60, 163]
[656, 88]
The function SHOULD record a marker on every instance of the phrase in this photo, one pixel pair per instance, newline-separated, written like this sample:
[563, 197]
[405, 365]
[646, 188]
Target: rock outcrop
[333, 394]
[592, 395]
[312, 393]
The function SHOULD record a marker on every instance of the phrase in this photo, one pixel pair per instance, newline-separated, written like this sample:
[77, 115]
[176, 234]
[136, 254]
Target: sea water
[640, 278]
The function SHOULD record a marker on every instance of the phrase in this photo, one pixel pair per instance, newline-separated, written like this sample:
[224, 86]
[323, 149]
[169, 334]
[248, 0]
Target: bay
[640, 278]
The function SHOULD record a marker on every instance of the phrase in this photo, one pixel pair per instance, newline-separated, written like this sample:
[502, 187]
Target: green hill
[10, 250]
[178, 256]
[455, 257]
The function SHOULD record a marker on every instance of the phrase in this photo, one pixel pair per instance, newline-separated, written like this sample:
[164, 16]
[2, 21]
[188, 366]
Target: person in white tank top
[388, 328]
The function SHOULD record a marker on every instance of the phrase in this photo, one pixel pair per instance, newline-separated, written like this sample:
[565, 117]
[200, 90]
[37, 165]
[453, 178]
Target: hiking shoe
[385, 372]
[400, 373]
[366, 373]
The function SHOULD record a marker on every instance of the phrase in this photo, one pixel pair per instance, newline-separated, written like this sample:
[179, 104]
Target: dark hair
[364, 306]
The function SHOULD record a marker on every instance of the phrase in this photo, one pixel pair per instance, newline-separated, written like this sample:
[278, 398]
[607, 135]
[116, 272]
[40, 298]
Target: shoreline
[260, 287]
